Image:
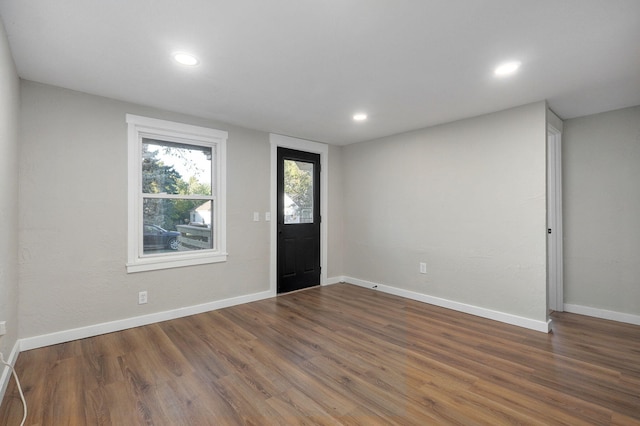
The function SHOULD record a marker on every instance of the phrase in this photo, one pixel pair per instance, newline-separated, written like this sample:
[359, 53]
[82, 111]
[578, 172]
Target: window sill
[168, 262]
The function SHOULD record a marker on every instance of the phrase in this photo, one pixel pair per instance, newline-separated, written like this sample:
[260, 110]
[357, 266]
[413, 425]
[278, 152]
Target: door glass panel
[298, 192]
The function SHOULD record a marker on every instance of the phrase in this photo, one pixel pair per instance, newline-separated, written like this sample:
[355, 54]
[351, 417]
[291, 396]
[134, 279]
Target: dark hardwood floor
[336, 355]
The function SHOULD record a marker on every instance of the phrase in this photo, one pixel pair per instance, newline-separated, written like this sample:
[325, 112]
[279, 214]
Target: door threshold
[296, 291]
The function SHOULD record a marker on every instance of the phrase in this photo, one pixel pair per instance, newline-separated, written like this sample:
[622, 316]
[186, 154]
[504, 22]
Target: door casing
[308, 146]
[555, 285]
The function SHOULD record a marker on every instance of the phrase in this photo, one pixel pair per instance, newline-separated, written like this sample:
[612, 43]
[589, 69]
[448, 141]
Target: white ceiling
[304, 67]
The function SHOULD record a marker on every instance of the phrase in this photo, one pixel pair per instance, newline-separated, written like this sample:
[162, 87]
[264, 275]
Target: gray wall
[335, 207]
[9, 110]
[601, 191]
[73, 207]
[467, 198]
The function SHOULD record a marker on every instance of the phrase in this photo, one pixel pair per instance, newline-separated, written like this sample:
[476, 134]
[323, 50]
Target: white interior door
[554, 221]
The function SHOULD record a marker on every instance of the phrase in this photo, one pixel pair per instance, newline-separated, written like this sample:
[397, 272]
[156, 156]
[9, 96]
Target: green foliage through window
[161, 178]
[298, 184]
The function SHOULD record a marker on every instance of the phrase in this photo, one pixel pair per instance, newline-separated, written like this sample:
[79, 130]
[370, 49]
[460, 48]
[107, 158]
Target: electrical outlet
[267, 216]
[3, 328]
[142, 297]
[423, 268]
[256, 216]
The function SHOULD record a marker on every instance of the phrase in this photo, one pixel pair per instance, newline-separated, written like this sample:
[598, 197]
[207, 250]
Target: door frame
[308, 146]
[555, 267]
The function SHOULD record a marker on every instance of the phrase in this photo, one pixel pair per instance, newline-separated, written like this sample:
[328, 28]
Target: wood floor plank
[622, 420]
[373, 393]
[336, 355]
[567, 413]
[66, 398]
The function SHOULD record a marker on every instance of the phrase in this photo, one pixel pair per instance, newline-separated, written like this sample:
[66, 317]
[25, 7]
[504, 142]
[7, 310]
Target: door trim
[308, 146]
[555, 285]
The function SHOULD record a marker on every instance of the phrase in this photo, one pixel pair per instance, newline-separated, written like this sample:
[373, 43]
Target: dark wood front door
[298, 220]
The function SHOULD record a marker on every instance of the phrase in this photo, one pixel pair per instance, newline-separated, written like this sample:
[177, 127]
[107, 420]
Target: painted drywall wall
[554, 120]
[73, 205]
[601, 190]
[9, 115]
[335, 211]
[467, 198]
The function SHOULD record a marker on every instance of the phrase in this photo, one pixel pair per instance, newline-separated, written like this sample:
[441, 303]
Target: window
[176, 194]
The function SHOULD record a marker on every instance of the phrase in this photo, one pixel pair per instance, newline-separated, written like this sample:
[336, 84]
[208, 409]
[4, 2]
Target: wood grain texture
[337, 355]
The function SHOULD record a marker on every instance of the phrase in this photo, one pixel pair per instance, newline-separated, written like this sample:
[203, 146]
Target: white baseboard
[602, 313]
[334, 280]
[531, 324]
[109, 327]
[6, 371]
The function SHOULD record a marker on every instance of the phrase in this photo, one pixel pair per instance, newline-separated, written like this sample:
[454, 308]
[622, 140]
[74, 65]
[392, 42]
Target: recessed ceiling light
[360, 117]
[185, 59]
[506, 68]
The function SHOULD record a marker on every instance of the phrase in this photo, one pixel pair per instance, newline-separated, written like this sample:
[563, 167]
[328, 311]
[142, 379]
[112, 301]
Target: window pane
[177, 225]
[298, 192]
[173, 168]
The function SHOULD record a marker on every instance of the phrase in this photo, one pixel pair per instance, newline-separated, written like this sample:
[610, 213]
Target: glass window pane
[298, 192]
[177, 225]
[173, 168]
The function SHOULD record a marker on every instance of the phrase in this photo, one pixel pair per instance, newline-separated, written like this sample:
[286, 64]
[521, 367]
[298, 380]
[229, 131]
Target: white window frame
[151, 128]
